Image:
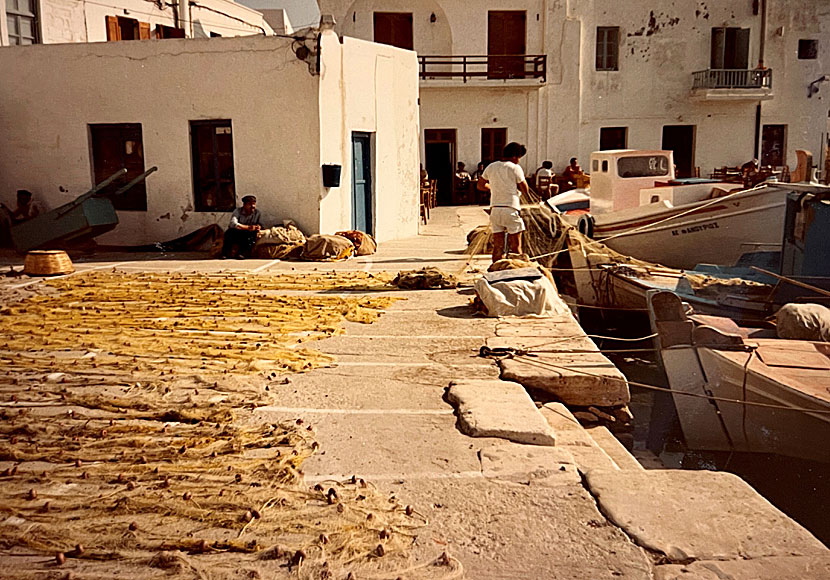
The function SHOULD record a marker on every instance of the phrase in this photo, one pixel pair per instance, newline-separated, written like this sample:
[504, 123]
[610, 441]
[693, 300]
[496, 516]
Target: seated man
[572, 171]
[26, 209]
[243, 229]
[544, 181]
[461, 173]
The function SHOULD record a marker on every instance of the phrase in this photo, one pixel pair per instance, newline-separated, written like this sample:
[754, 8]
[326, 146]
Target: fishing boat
[639, 209]
[740, 389]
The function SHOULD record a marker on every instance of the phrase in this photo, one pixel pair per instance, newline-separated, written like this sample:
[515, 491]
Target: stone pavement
[503, 509]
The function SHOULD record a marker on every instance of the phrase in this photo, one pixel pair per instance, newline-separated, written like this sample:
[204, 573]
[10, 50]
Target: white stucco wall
[52, 92]
[662, 43]
[81, 21]
[372, 88]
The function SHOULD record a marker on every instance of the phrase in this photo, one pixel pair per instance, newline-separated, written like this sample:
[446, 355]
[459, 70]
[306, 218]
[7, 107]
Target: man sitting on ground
[242, 231]
[26, 209]
[505, 179]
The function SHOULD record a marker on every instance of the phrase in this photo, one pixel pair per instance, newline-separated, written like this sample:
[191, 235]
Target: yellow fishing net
[128, 448]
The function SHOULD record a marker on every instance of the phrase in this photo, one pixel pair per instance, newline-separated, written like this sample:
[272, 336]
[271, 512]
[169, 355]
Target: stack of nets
[128, 446]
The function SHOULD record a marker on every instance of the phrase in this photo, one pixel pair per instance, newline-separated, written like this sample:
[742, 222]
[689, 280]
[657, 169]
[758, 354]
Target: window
[643, 166]
[213, 181]
[120, 28]
[492, 144]
[608, 47]
[730, 48]
[394, 28]
[163, 31]
[613, 138]
[116, 146]
[21, 17]
[807, 49]
[506, 44]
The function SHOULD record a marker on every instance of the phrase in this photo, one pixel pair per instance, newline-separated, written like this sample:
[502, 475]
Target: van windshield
[643, 166]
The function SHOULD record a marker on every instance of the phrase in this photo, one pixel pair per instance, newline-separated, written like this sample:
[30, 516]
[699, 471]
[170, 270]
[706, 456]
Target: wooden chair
[433, 193]
[543, 184]
[424, 204]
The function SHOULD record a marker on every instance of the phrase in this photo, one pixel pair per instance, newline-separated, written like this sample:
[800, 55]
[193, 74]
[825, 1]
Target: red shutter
[112, 29]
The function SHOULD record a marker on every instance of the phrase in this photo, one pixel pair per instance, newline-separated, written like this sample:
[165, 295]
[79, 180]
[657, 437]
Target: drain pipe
[761, 51]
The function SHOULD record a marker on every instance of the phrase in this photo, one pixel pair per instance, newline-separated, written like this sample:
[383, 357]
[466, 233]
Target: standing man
[242, 231]
[505, 180]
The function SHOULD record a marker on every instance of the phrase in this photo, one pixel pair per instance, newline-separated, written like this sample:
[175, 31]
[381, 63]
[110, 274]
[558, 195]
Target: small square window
[807, 49]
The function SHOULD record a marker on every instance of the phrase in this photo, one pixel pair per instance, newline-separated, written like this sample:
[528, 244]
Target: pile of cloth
[287, 242]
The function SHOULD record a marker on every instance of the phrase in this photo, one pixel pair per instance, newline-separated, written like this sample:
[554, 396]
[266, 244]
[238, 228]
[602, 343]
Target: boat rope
[659, 222]
[518, 355]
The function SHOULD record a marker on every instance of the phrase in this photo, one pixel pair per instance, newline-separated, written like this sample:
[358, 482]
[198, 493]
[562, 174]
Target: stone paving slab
[551, 326]
[612, 446]
[494, 408]
[508, 531]
[575, 379]
[704, 515]
[573, 437]
[528, 464]
[773, 568]
[539, 344]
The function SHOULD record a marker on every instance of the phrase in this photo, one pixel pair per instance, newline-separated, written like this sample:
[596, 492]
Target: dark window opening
[215, 35]
[213, 178]
[21, 18]
[493, 141]
[643, 166]
[807, 49]
[394, 28]
[116, 146]
[163, 31]
[730, 48]
[506, 44]
[613, 138]
[608, 48]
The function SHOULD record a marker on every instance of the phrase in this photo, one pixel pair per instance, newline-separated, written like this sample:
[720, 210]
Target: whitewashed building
[717, 81]
[220, 118]
[59, 21]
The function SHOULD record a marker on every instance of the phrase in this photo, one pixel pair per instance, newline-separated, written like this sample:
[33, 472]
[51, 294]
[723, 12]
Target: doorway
[681, 140]
[439, 146]
[362, 210]
[774, 145]
[506, 44]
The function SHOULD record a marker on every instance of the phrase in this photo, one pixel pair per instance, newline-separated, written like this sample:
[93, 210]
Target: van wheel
[585, 225]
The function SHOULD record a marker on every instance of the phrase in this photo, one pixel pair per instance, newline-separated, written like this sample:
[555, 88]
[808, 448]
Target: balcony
[483, 70]
[732, 85]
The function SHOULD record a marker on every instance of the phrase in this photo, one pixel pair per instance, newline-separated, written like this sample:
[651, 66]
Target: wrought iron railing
[733, 79]
[466, 67]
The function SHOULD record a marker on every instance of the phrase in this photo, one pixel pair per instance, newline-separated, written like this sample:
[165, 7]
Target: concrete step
[616, 450]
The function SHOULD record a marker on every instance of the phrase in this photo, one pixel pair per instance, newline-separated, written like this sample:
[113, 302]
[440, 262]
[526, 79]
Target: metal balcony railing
[732, 79]
[466, 67]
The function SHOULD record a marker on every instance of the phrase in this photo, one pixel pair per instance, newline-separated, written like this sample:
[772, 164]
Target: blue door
[362, 218]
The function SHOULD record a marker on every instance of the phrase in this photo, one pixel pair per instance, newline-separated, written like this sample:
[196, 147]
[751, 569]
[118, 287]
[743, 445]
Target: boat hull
[717, 233]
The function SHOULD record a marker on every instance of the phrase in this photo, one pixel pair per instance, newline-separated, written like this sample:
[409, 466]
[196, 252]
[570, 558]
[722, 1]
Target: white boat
[638, 209]
[715, 368]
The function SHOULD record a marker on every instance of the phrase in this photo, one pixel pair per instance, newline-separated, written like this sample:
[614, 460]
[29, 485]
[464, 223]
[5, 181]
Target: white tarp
[520, 297]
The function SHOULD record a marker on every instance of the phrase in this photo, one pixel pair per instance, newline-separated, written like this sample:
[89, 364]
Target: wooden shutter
[113, 32]
[144, 31]
[394, 28]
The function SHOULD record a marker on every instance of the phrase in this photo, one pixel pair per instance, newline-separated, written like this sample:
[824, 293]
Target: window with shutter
[144, 31]
[113, 30]
[213, 173]
[115, 146]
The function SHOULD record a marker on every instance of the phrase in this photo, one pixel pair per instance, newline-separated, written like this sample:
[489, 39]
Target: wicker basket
[47, 263]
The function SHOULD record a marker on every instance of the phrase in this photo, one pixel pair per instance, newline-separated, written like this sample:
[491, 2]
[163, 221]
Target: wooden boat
[638, 209]
[85, 217]
[714, 367]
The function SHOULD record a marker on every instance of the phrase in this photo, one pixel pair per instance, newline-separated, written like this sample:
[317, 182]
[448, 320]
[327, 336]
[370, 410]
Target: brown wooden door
[493, 141]
[506, 35]
[394, 28]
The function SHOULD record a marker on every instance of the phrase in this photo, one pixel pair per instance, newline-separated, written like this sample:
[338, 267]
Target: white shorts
[506, 219]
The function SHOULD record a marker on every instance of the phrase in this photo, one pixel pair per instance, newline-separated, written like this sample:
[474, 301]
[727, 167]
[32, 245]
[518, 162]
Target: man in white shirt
[505, 180]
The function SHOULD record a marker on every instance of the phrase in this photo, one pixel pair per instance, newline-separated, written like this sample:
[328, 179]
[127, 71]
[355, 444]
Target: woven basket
[47, 263]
